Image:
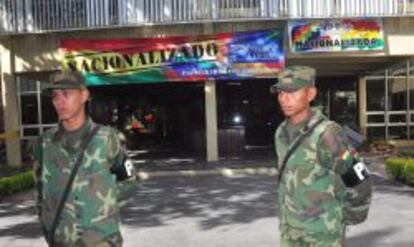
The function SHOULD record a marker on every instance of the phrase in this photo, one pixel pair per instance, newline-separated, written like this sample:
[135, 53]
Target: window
[411, 66]
[376, 99]
[410, 6]
[36, 110]
[376, 133]
[29, 107]
[344, 106]
[397, 133]
[411, 92]
[397, 94]
[390, 104]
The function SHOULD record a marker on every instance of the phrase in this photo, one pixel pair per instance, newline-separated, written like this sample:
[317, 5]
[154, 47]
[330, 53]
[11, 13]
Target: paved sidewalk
[225, 205]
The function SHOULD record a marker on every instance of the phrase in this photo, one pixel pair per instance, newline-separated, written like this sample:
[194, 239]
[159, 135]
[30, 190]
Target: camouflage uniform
[90, 216]
[312, 195]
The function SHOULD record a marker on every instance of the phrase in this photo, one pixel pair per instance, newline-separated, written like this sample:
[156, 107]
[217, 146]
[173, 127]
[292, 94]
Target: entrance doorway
[171, 116]
[337, 98]
[154, 117]
[249, 106]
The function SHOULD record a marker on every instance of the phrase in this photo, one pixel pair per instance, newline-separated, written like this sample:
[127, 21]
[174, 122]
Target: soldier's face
[69, 103]
[297, 102]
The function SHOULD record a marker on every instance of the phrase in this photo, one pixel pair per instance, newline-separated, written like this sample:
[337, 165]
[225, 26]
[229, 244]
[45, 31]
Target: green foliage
[402, 169]
[18, 182]
[406, 153]
[409, 174]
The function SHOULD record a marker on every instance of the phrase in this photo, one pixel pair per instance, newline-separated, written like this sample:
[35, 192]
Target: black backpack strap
[68, 187]
[295, 144]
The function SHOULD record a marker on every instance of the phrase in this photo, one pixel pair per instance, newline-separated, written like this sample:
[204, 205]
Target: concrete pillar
[362, 98]
[211, 120]
[211, 109]
[9, 102]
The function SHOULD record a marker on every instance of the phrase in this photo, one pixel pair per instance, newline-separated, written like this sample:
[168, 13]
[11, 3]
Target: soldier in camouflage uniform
[314, 201]
[90, 216]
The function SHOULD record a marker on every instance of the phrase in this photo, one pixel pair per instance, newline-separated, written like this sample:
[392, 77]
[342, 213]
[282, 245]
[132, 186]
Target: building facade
[361, 50]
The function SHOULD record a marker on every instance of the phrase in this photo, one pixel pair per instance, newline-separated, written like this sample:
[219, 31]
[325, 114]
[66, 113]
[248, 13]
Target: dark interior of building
[171, 116]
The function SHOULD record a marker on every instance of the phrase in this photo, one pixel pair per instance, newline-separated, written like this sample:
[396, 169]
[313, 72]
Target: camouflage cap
[293, 78]
[66, 80]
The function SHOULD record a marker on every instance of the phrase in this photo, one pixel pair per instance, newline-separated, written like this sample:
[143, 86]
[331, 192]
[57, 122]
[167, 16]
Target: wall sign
[336, 35]
[185, 58]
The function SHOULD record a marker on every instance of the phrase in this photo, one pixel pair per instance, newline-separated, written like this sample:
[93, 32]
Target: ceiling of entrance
[333, 66]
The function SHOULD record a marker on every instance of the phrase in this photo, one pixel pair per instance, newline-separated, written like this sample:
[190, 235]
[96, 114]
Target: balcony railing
[21, 16]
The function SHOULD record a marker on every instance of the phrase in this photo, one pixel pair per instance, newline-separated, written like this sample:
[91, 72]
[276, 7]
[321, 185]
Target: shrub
[409, 174]
[402, 169]
[18, 182]
[406, 153]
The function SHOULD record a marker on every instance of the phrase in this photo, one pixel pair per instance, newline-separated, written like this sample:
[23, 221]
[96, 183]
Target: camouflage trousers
[112, 241]
[320, 240]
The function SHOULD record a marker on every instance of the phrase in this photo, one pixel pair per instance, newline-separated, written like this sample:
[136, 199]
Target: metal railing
[20, 16]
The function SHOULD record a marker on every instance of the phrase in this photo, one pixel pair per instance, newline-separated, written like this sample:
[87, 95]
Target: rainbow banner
[190, 58]
[336, 35]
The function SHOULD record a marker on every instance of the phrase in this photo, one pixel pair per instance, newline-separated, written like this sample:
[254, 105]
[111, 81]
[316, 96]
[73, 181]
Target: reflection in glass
[376, 118]
[380, 72]
[397, 104]
[248, 104]
[345, 105]
[376, 133]
[411, 132]
[376, 99]
[397, 94]
[48, 111]
[30, 131]
[337, 98]
[397, 133]
[411, 88]
[400, 118]
[28, 86]
[29, 109]
[409, 7]
[398, 70]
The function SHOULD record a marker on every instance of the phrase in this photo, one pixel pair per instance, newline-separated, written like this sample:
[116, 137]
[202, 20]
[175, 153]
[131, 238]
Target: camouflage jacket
[91, 211]
[311, 192]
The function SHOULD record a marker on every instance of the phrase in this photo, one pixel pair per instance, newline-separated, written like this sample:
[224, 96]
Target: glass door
[337, 98]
